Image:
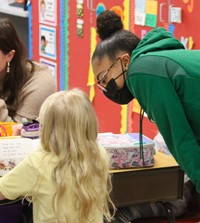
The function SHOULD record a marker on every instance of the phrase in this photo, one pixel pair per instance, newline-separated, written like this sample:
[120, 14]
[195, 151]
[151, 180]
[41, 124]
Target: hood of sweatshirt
[156, 40]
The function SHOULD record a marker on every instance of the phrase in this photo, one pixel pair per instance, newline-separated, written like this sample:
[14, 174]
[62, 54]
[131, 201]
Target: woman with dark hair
[162, 76]
[24, 84]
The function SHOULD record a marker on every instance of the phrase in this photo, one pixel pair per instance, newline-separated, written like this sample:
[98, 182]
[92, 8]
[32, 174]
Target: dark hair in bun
[108, 22]
[114, 38]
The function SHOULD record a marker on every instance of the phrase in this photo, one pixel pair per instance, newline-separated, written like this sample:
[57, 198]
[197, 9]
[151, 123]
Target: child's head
[67, 117]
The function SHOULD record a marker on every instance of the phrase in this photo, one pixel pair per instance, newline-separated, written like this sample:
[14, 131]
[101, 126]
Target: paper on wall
[140, 18]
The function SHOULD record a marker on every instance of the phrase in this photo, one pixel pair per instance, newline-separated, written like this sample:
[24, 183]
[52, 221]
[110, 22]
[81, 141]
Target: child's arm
[2, 197]
[21, 181]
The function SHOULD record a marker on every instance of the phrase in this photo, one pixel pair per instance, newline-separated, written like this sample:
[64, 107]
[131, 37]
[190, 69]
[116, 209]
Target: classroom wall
[21, 25]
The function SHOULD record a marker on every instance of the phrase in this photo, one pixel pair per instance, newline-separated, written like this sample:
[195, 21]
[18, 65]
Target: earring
[8, 67]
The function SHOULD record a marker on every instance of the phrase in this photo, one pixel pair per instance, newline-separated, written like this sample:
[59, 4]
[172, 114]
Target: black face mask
[122, 96]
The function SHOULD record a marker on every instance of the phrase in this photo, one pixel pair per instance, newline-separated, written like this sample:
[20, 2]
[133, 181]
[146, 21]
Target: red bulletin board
[108, 113]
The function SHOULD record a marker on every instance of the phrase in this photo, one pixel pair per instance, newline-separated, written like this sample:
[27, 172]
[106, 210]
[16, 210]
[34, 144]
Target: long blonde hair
[69, 130]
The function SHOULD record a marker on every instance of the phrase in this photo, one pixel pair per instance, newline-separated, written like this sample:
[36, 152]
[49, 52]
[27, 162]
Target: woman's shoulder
[40, 68]
[40, 74]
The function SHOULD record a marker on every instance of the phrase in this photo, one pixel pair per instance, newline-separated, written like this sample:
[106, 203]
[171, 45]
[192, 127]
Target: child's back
[68, 179]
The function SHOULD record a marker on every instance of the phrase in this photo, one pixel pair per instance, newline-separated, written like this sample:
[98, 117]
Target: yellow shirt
[32, 177]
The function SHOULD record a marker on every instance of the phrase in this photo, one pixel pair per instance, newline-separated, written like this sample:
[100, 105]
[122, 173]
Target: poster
[48, 12]
[47, 42]
[51, 65]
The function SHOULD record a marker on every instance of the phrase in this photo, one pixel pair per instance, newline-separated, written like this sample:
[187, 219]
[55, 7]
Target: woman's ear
[125, 60]
[10, 55]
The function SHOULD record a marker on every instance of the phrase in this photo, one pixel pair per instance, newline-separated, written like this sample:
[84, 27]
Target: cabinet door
[187, 31]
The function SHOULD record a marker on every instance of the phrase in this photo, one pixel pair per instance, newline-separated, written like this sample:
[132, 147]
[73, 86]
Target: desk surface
[161, 161]
[162, 182]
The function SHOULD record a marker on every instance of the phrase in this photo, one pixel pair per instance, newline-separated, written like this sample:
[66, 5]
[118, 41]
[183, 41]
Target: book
[13, 150]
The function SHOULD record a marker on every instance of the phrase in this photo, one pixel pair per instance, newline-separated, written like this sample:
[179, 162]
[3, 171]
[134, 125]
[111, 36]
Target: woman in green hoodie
[162, 76]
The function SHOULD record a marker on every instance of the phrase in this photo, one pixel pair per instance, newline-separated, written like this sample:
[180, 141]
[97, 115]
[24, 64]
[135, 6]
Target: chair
[11, 212]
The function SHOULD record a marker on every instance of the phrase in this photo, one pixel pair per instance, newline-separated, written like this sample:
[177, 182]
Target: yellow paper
[91, 79]
[130, 119]
[126, 14]
[151, 7]
[124, 118]
[191, 43]
[124, 111]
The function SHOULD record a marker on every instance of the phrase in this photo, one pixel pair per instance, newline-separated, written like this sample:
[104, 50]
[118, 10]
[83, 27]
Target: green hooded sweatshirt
[165, 79]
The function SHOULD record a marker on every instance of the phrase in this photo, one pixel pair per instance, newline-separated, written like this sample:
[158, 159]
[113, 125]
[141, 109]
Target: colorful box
[124, 150]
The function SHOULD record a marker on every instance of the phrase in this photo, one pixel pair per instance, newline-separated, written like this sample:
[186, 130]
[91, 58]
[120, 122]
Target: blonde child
[68, 178]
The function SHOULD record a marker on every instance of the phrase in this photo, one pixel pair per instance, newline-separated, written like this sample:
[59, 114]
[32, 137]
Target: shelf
[12, 10]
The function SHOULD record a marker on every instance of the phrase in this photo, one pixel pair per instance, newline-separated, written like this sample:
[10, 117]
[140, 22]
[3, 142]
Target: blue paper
[140, 5]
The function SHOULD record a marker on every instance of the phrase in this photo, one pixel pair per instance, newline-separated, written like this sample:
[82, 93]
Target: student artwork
[47, 42]
[146, 12]
[48, 12]
[151, 13]
[140, 15]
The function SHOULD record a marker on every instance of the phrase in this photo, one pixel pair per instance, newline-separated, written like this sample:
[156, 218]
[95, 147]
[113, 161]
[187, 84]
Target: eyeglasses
[101, 78]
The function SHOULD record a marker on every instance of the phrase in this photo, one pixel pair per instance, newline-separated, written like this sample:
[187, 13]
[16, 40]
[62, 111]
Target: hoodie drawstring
[140, 137]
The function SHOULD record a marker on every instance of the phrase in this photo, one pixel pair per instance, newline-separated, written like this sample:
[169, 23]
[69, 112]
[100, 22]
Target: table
[162, 182]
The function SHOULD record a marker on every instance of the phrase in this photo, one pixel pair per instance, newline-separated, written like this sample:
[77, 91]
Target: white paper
[13, 151]
[140, 18]
[175, 14]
